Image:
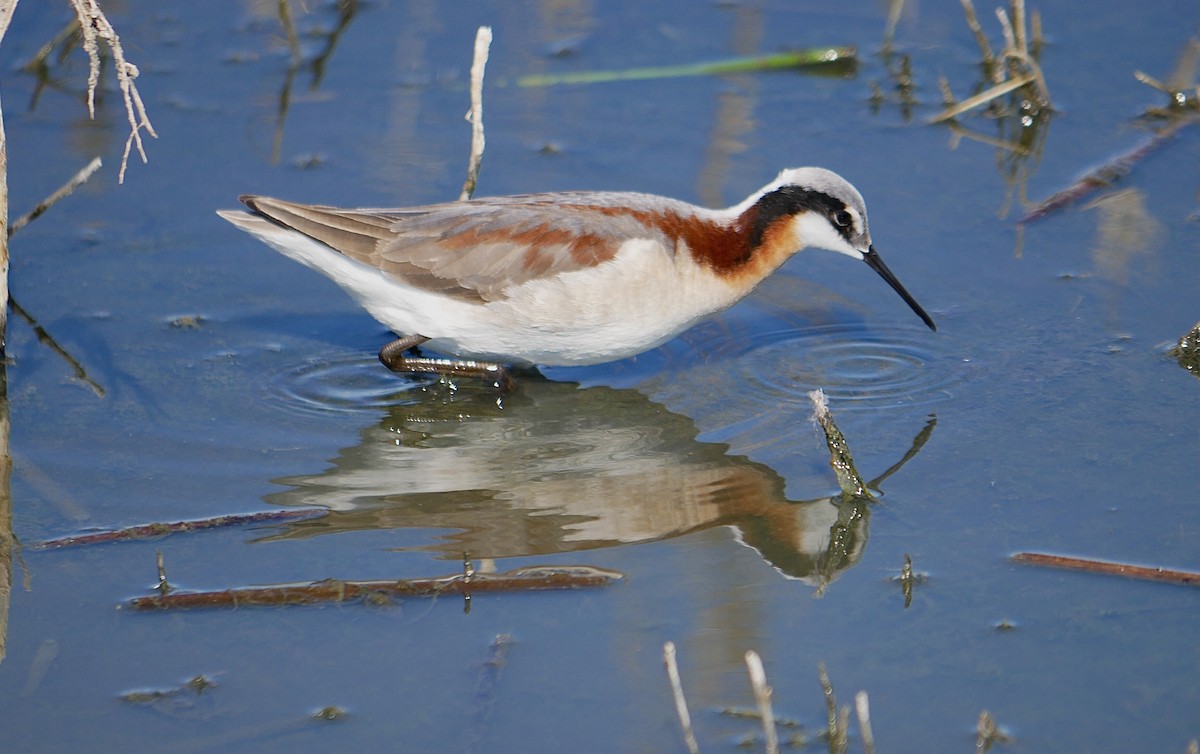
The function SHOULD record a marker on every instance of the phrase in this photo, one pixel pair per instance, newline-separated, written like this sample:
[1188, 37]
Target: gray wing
[479, 249]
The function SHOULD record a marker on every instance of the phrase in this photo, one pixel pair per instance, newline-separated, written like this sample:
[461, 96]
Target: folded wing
[480, 249]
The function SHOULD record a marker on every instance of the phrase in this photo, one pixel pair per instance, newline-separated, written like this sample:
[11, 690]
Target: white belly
[640, 299]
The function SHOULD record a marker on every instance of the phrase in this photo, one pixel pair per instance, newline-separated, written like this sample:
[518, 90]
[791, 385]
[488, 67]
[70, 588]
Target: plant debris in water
[1187, 350]
[532, 578]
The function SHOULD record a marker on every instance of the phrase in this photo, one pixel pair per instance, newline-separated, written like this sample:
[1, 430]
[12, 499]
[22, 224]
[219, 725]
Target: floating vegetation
[1187, 350]
[1014, 70]
[182, 699]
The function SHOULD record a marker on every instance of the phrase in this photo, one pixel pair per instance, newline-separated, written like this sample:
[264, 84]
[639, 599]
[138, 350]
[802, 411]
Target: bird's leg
[393, 357]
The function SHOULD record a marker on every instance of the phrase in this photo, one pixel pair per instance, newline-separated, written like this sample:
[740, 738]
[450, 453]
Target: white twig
[863, 708]
[762, 695]
[94, 26]
[483, 42]
[685, 719]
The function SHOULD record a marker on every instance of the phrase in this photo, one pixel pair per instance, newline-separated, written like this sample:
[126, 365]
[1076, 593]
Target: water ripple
[852, 364]
[351, 382]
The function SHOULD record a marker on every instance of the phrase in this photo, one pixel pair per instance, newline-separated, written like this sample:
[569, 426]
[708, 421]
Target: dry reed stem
[483, 42]
[982, 98]
[830, 703]
[94, 26]
[762, 697]
[681, 708]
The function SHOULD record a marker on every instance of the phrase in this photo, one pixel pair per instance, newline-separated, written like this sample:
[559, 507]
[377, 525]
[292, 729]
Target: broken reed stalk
[681, 708]
[483, 43]
[1110, 568]
[830, 704]
[762, 697]
[533, 578]
[148, 531]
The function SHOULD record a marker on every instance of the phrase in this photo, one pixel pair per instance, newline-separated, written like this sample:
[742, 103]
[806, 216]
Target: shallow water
[1044, 414]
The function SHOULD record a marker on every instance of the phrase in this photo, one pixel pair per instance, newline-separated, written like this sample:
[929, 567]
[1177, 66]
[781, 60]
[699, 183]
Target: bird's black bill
[875, 261]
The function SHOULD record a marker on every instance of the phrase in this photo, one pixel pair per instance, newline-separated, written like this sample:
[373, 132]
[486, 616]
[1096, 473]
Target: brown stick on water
[534, 578]
[1109, 567]
[1106, 175]
[149, 531]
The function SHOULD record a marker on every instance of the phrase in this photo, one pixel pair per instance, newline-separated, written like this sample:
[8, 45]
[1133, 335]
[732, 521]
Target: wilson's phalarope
[561, 279]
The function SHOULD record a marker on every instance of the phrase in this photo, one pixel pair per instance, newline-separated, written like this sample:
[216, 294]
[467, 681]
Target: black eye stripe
[788, 200]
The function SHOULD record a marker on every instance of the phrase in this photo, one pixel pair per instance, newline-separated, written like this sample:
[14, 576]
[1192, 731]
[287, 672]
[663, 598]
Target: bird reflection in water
[553, 468]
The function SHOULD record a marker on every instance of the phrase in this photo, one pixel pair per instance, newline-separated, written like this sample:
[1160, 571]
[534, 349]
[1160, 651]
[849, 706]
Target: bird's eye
[842, 218]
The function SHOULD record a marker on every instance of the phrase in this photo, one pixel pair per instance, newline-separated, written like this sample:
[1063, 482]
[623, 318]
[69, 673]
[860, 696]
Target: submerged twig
[1105, 175]
[681, 708]
[148, 531]
[47, 339]
[483, 42]
[1109, 567]
[196, 685]
[533, 578]
[489, 682]
[793, 60]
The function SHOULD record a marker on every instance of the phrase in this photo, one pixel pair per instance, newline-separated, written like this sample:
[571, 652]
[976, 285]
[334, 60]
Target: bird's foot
[395, 357]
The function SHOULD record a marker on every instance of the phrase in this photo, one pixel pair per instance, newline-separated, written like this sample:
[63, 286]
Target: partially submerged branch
[1110, 568]
[533, 578]
[849, 481]
[1105, 175]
